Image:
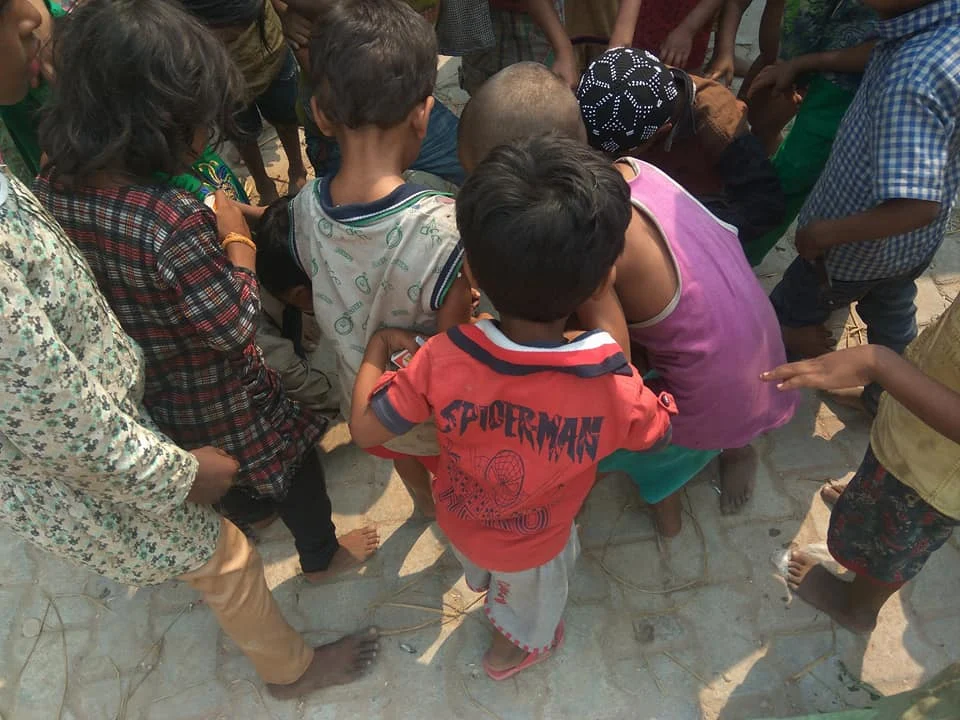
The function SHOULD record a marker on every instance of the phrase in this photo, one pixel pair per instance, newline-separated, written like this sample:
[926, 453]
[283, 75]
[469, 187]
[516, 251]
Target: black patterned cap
[625, 96]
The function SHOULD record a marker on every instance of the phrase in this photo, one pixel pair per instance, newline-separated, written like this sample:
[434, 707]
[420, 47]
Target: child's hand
[296, 28]
[780, 78]
[566, 67]
[676, 48]
[721, 69]
[216, 472]
[250, 212]
[395, 340]
[229, 217]
[848, 368]
[810, 242]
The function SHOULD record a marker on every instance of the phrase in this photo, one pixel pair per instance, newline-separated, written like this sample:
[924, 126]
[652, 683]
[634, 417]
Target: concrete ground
[701, 626]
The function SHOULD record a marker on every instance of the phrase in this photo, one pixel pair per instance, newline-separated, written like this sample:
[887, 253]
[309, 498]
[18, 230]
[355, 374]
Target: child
[180, 277]
[904, 501]
[253, 33]
[879, 211]
[693, 129]
[810, 69]
[84, 473]
[524, 30]
[288, 331]
[438, 152]
[499, 113]
[375, 250]
[524, 413]
[693, 306]
[207, 174]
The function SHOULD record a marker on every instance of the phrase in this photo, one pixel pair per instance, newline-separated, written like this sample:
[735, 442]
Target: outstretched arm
[625, 24]
[781, 77]
[721, 65]
[931, 401]
[366, 427]
[677, 45]
[605, 313]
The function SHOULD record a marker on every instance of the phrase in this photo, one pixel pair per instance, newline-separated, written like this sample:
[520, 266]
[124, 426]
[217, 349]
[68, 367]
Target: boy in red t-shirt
[524, 412]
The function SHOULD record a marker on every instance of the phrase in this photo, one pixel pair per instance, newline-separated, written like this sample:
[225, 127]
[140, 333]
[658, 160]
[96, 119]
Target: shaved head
[521, 101]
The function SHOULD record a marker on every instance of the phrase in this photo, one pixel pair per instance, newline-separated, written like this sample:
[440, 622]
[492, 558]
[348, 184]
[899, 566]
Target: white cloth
[384, 264]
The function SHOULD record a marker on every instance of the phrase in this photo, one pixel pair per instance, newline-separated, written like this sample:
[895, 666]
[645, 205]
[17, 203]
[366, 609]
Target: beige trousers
[233, 586]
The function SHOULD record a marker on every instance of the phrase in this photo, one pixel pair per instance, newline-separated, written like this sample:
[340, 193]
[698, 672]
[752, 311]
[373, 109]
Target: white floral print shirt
[83, 472]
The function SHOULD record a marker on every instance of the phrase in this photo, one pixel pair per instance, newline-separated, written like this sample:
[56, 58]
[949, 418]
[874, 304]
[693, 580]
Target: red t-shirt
[521, 432]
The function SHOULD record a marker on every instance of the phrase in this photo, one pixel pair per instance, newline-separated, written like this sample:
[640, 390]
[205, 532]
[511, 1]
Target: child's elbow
[928, 212]
[363, 438]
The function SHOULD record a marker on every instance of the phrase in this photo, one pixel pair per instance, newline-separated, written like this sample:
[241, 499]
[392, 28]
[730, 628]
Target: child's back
[379, 252]
[521, 432]
[388, 263]
[686, 291]
[524, 413]
[715, 330]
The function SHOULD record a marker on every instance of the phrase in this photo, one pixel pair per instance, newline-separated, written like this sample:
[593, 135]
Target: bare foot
[814, 584]
[831, 491]
[267, 190]
[296, 182]
[338, 663]
[809, 341]
[355, 547]
[738, 477]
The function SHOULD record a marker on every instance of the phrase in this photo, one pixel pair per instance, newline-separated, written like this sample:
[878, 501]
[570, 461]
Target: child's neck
[528, 332]
[372, 165]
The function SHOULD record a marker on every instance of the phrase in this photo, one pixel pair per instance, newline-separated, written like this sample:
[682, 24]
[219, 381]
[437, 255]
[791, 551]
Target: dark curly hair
[372, 61]
[135, 81]
[542, 221]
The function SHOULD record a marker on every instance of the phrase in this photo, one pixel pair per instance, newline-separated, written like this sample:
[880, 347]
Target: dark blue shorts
[277, 104]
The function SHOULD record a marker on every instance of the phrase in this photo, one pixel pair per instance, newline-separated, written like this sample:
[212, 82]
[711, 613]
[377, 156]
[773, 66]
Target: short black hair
[372, 61]
[542, 221]
[136, 81]
[277, 270]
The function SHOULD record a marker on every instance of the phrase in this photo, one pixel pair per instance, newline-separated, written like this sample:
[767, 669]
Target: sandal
[529, 661]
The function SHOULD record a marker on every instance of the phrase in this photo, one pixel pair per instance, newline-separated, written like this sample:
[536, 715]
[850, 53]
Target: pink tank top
[719, 332]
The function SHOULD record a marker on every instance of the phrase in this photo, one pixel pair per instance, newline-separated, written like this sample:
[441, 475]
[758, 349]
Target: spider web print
[496, 485]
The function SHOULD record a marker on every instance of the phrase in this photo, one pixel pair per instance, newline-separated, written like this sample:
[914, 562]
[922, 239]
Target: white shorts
[526, 606]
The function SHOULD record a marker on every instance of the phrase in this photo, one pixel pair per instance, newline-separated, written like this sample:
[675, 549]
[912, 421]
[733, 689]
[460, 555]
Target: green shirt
[813, 26]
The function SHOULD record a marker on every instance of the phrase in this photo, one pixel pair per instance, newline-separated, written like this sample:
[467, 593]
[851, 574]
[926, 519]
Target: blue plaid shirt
[900, 139]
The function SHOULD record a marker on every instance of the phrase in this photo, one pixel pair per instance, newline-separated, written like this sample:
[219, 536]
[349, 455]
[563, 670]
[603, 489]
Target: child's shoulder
[168, 209]
[408, 202]
[430, 203]
[431, 215]
[929, 58]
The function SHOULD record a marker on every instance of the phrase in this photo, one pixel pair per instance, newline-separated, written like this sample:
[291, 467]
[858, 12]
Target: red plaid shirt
[156, 256]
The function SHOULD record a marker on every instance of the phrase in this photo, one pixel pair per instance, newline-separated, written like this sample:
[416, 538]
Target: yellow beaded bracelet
[233, 237]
